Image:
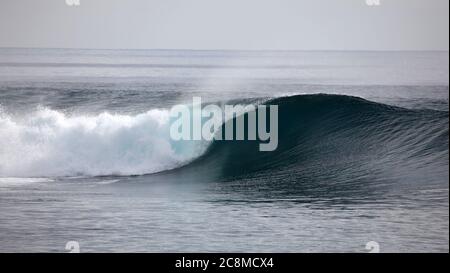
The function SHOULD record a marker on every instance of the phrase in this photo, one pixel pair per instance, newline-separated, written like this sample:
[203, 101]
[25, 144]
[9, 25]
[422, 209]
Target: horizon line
[230, 49]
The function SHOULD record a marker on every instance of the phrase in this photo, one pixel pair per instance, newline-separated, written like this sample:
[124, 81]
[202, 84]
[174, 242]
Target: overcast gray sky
[227, 24]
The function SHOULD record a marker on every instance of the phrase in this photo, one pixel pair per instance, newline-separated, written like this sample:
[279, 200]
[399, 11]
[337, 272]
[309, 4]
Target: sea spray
[50, 143]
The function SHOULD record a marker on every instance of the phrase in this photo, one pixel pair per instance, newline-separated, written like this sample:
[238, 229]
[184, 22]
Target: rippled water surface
[83, 156]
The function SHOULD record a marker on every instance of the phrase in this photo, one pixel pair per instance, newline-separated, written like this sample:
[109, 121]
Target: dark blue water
[85, 154]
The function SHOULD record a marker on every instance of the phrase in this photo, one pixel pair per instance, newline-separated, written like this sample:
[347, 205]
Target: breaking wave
[320, 136]
[51, 143]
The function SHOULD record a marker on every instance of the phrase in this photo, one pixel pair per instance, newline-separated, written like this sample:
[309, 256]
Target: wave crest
[51, 143]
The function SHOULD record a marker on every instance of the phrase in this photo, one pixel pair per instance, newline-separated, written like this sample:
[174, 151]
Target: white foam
[17, 181]
[49, 143]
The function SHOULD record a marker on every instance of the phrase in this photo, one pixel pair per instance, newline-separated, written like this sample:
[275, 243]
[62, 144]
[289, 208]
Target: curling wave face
[335, 144]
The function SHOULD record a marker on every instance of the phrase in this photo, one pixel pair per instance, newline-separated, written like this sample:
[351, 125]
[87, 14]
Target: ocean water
[85, 154]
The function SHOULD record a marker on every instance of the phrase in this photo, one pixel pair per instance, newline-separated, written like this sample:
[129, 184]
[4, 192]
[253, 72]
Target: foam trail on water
[49, 143]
